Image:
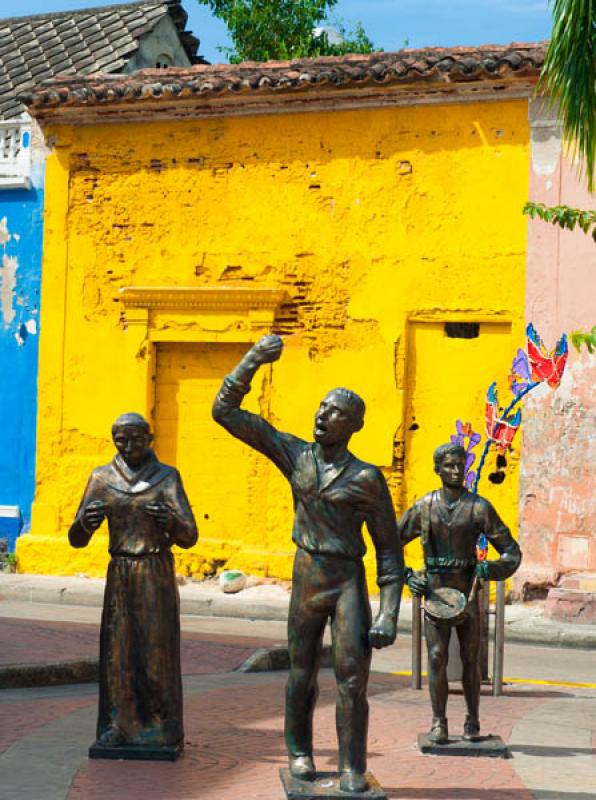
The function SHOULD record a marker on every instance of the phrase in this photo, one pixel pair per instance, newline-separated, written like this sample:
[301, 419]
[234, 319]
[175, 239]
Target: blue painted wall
[21, 237]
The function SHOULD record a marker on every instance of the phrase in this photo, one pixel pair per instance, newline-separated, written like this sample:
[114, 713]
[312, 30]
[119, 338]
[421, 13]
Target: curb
[564, 635]
[523, 626]
[26, 676]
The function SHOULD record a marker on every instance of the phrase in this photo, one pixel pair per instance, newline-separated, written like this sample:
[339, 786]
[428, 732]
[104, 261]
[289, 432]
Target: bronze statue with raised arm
[140, 685]
[449, 522]
[334, 495]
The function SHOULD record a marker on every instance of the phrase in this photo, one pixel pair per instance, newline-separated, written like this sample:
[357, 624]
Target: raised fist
[383, 631]
[267, 349]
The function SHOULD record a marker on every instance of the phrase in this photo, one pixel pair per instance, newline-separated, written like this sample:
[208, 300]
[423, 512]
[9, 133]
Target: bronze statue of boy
[334, 494]
[140, 685]
[449, 522]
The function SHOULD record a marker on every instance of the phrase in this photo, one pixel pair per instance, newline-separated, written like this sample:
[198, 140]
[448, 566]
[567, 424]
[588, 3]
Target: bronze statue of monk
[140, 686]
[449, 522]
[334, 494]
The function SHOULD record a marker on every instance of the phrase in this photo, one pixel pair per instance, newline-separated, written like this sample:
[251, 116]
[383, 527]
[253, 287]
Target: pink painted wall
[558, 464]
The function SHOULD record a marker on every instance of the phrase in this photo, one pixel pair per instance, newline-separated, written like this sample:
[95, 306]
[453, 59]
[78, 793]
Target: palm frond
[569, 76]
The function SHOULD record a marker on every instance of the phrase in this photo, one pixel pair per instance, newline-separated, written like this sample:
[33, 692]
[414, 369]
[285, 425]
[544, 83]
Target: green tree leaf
[563, 216]
[579, 338]
[265, 30]
[568, 77]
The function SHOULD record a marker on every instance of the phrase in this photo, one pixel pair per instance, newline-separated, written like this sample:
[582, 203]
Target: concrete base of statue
[138, 752]
[483, 747]
[326, 785]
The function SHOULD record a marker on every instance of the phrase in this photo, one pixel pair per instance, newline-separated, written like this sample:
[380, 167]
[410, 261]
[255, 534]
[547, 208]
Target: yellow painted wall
[372, 220]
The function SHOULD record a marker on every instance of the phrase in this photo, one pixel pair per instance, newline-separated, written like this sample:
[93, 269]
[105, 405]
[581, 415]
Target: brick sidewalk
[235, 749]
[41, 642]
[234, 731]
[234, 742]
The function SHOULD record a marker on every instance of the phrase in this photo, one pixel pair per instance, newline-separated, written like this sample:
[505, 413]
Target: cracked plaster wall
[363, 217]
[21, 233]
[557, 503]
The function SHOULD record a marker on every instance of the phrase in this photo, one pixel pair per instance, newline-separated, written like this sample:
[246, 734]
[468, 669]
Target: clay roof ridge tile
[152, 90]
[458, 64]
[513, 59]
[469, 63]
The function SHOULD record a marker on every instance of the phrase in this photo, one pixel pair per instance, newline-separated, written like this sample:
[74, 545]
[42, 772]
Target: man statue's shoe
[471, 729]
[438, 733]
[353, 782]
[302, 767]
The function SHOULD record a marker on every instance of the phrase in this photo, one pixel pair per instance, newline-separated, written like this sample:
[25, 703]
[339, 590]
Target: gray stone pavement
[554, 747]
[234, 744]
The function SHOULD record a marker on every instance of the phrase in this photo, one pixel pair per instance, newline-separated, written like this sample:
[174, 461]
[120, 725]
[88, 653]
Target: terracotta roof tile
[42, 46]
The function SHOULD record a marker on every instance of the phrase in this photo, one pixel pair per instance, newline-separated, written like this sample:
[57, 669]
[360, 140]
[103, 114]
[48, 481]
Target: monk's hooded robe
[140, 685]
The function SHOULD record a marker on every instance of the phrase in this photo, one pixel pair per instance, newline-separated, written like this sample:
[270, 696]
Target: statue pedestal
[136, 752]
[484, 747]
[326, 785]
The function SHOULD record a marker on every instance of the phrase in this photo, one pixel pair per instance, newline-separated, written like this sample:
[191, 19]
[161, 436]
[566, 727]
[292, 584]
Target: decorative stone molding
[200, 314]
[155, 315]
[204, 298]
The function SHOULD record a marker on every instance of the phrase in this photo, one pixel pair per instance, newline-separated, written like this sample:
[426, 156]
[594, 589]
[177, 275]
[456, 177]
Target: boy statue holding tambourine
[449, 521]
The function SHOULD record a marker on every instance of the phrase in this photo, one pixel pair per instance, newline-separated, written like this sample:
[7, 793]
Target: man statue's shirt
[330, 504]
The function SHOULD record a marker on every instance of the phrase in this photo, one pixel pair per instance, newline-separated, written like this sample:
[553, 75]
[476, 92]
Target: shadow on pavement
[460, 793]
[545, 794]
[550, 752]
[545, 693]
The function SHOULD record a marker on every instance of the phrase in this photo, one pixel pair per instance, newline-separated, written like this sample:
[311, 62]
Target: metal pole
[416, 643]
[483, 609]
[499, 651]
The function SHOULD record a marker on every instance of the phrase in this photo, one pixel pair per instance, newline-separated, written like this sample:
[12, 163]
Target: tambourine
[445, 604]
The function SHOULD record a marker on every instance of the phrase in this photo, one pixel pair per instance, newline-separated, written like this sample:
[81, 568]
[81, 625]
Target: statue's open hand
[267, 349]
[161, 512]
[383, 631]
[93, 514]
[418, 584]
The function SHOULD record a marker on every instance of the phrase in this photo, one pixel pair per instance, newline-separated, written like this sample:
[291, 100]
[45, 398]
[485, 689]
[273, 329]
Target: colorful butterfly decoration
[500, 430]
[465, 432]
[528, 370]
[546, 365]
[482, 548]
[520, 376]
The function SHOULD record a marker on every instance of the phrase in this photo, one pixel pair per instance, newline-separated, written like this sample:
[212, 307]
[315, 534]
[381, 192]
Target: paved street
[234, 721]
[234, 744]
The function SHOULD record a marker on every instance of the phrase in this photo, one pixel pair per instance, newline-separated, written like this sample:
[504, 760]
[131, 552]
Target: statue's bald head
[132, 436]
[352, 403]
[131, 420]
